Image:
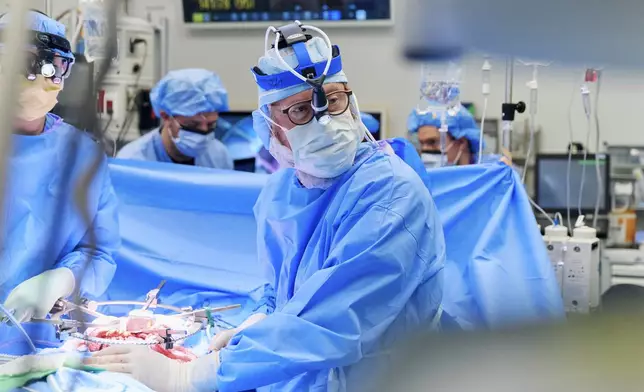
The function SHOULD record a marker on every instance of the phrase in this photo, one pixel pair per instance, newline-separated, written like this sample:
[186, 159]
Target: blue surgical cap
[189, 92]
[370, 122]
[270, 64]
[43, 24]
[462, 125]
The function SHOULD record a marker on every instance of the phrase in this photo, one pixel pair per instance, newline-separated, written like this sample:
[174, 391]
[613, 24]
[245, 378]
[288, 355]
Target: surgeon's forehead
[428, 132]
[306, 95]
[208, 116]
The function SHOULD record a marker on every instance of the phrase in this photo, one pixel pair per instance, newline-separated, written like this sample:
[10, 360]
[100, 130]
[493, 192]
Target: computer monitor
[379, 117]
[245, 165]
[228, 120]
[218, 13]
[551, 174]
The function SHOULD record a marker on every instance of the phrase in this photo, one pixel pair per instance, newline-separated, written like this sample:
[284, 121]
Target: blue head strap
[305, 67]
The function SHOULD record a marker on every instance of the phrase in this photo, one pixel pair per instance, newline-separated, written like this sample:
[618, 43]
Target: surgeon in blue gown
[188, 101]
[44, 259]
[351, 241]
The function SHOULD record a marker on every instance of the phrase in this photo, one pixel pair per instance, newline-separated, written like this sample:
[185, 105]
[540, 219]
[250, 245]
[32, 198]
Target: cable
[545, 214]
[585, 98]
[533, 85]
[77, 31]
[600, 187]
[558, 218]
[572, 137]
[63, 14]
[16, 324]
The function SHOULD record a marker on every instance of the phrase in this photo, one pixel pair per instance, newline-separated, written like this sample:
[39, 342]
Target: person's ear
[170, 123]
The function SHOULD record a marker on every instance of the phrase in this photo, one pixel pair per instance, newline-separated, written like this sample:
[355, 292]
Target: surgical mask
[192, 144]
[323, 151]
[37, 98]
[431, 160]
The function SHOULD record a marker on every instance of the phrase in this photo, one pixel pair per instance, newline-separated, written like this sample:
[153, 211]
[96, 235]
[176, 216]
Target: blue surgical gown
[149, 147]
[33, 241]
[354, 268]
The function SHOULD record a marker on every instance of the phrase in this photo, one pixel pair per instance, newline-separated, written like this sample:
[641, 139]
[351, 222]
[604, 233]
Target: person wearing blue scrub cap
[188, 101]
[350, 238]
[44, 259]
[463, 137]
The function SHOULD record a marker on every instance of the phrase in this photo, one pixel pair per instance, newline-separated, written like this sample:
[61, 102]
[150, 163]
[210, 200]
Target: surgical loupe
[46, 60]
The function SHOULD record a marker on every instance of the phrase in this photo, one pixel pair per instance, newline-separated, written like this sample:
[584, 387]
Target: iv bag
[440, 88]
[94, 18]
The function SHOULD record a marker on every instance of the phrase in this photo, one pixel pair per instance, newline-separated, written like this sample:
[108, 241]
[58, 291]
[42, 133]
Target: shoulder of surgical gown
[141, 149]
[216, 156]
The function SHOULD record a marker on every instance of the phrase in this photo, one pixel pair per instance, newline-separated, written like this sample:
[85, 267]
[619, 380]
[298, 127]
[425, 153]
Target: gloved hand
[35, 297]
[43, 362]
[222, 338]
[158, 372]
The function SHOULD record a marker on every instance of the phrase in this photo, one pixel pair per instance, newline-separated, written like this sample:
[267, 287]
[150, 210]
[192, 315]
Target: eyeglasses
[302, 113]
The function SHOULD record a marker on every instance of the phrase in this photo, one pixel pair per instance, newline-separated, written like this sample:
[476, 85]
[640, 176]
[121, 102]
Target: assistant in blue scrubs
[463, 137]
[47, 245]
[188, 102]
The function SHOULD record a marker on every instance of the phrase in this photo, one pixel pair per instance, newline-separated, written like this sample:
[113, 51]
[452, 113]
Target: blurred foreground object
[571, 33]
[590, 354]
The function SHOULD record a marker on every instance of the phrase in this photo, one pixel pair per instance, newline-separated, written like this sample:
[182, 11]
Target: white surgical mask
[321, 151]
[37, 98]
[192, 144]
[431, 160]
[325, 151]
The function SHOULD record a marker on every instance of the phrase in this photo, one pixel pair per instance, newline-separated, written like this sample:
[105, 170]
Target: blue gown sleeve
[94, 278]
[379, 257]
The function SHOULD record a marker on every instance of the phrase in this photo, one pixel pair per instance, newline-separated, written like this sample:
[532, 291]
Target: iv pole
[508, 108]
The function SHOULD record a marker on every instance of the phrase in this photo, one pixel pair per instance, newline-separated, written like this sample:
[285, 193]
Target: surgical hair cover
[270, 64]
[458, 126]
[41, 23]
[188, 92]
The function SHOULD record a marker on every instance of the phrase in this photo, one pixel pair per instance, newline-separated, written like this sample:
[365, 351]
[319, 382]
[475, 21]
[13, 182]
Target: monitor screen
[228, 120]
[245, 165]
[234, 11]
[378, 117]
[551, 177]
